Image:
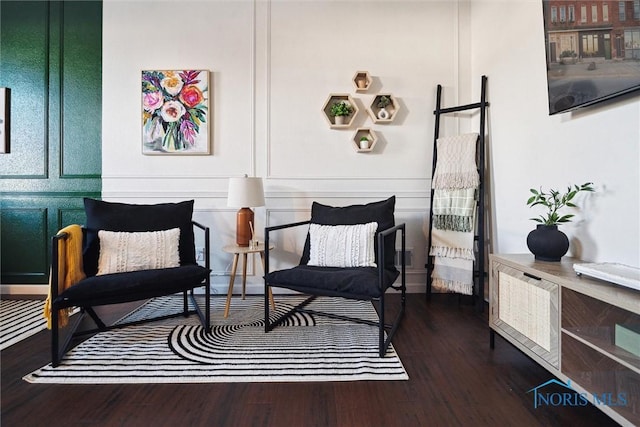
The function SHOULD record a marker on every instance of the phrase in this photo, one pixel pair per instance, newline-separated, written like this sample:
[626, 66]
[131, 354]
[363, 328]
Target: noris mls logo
[570, 397]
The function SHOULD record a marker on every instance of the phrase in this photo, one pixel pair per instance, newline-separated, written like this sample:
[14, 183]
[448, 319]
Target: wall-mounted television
[593, 51]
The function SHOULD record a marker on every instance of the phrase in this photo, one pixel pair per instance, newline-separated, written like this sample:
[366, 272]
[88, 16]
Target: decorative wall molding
[422, 196]
[349, 194]
[197, 175]
[218, 289]
[164, 195]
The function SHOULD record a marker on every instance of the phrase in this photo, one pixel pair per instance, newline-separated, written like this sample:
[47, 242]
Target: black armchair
[353, 279]
[108, 287]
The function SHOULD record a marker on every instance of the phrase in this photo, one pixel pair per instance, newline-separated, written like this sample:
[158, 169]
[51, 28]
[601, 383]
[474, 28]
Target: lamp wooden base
[244, 224]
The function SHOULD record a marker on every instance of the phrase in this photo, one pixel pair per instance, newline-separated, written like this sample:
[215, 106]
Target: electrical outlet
[199, 254]
[408, 257]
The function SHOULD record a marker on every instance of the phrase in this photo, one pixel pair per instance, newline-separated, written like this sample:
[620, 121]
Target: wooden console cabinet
[578, 328]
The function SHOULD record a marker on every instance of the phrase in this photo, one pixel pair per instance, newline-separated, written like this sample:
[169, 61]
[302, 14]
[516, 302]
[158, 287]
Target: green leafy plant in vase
[546, 242]
[364, 143]
[339, 110]
[383, 102]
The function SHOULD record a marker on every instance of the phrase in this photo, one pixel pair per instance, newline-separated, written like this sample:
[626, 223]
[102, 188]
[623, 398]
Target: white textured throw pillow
[342, 245]
[122, 251]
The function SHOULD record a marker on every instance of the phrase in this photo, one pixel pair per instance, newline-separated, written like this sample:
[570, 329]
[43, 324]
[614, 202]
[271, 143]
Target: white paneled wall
[273, 65]
[316, 47]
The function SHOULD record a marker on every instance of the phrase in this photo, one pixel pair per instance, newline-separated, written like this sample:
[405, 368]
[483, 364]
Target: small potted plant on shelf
[546, 242]
[364, 143]
[383, 102]
[340, 110]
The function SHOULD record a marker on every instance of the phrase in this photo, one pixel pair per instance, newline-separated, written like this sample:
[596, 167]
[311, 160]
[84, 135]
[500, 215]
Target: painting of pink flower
[175, 109]
[151, 101]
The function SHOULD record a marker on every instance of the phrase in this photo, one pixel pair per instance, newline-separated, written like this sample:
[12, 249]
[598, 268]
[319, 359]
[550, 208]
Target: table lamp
[245, 193]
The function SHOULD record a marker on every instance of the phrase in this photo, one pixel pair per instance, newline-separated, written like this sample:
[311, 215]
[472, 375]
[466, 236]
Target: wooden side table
[244, 251]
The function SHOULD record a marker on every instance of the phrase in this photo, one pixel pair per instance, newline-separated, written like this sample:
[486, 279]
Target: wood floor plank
[455, 379]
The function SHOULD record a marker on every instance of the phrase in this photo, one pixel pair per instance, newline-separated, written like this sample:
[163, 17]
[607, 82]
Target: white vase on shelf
[383, 114]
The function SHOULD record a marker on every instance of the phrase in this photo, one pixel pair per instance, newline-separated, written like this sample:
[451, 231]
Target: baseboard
[256, 289]
[216, 289]
[24, 289]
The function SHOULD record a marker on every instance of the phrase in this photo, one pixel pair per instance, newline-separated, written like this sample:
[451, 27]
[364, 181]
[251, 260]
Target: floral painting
[175, 112]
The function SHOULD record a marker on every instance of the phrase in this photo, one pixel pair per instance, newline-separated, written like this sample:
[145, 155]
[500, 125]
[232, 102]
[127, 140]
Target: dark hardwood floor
[455, 379]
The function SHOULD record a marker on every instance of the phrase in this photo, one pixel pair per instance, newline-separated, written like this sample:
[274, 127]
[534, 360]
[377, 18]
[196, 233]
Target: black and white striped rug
[307, 348]
[19, 319]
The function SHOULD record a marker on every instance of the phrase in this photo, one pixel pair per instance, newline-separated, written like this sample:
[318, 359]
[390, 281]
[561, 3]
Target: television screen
[593, 51]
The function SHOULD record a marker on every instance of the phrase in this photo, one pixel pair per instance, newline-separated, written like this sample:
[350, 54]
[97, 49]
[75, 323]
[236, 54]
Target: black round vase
[547, 243]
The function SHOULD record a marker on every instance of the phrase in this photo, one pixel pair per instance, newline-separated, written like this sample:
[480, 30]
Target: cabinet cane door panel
[524, 309]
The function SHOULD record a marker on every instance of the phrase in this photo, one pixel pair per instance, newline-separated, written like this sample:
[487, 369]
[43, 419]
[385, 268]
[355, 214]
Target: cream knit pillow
[122, 251]
[342, 245]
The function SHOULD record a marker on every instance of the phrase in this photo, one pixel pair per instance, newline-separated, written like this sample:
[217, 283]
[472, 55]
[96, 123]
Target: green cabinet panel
[24, 256]
[26, 231]
[51, 58]
[24, 69]
[70, 215]
[82, 96]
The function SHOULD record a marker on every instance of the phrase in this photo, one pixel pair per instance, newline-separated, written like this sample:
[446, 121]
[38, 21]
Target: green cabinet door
[51, 59]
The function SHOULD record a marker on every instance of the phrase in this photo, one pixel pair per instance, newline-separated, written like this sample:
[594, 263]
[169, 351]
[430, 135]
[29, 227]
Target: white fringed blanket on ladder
[455, 184]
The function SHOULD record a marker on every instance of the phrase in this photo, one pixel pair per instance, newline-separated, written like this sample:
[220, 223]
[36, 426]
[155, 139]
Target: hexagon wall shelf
[392, 109]
[362, 81]
[369, 134]
[337, 97]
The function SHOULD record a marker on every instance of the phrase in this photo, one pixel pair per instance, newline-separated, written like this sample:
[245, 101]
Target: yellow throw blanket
[70, 270]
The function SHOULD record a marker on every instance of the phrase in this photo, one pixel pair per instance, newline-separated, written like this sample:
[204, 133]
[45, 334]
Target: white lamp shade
[245, 192]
